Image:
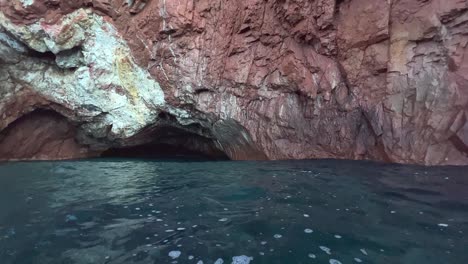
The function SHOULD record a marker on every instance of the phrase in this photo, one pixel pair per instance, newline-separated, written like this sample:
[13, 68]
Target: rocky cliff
[252, 79]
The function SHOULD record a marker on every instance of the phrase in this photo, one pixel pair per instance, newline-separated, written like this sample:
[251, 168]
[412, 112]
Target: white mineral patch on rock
[100, 76]
[27, 3]
[11, 42]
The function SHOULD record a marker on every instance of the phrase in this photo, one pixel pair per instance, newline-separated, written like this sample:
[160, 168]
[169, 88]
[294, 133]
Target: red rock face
[357, 79]
[42, 135]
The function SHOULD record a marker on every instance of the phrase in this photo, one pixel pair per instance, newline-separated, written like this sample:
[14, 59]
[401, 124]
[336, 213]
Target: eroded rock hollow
[250, 79]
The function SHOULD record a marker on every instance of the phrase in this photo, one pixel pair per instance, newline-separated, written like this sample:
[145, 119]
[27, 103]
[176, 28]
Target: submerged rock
[310, 79]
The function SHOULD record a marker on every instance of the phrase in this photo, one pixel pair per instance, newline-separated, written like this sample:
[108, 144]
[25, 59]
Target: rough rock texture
[277, 79]
[42, 135]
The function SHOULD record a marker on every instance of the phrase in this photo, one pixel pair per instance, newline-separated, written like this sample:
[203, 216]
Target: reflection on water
[137, 211]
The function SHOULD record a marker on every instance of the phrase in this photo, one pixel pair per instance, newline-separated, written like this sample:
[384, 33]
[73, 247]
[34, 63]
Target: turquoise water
[141, 211]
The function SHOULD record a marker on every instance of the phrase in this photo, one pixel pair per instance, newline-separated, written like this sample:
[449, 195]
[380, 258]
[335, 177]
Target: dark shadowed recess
[171, 143]
[41, 134]
[47, 135]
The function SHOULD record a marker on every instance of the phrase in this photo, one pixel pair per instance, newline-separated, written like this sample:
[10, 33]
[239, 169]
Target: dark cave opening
[163, 152]
[170, 143]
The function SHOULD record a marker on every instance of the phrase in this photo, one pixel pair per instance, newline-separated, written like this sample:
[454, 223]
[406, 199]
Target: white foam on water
[241, 259]
[262, 253]
[181, 229]
[443, 225]
[191, 257]
[169, 230]
[200, 262]
[223, 220]
[174, 254]
[277, 236]
[71, 218]
[363, 251]
[312, 256]
[219, 261]
[358, 260]
[334, 261]
[325, 249]
[308, 231]
[306, 215]
[337, 236]
[263, 242]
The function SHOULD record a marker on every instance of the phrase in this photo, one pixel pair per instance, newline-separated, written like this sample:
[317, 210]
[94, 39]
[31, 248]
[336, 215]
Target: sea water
[147, 211]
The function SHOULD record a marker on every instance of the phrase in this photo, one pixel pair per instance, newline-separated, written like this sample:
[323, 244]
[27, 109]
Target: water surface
[141, 211]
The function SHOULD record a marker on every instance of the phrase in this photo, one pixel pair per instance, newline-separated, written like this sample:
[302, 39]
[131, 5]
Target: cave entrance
[170, 143]
[162, 151]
